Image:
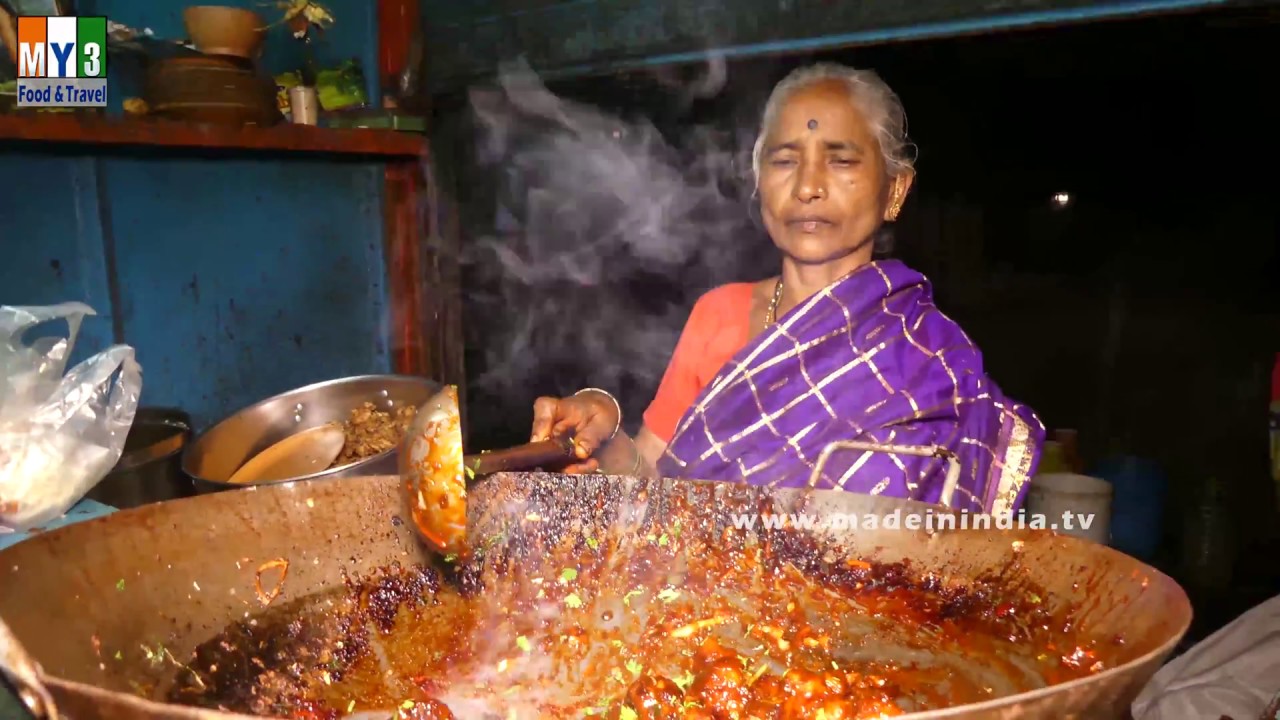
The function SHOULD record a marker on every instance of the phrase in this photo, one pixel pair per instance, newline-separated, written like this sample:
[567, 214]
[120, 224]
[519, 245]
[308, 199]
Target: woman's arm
[650, 446]
[594, 415]
[636, 456]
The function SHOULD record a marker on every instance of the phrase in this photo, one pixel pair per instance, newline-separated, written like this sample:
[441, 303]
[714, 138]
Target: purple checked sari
[868, 358]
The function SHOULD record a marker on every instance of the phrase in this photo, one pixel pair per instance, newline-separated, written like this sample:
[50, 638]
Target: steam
[606, 231]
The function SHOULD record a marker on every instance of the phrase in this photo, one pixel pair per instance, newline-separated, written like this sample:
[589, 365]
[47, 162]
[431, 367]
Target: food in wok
[618, 598]
[736, 635]
[612, 596]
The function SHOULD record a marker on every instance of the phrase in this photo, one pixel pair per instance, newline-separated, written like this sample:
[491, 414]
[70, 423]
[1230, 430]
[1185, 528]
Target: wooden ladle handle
[529, 456]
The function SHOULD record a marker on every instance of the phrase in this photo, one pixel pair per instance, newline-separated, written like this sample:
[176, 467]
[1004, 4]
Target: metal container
[222, 449]
[150, 468]
[91, 601]
[303, 105]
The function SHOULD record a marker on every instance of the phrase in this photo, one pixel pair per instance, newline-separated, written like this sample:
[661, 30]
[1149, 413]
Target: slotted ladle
[435, 473]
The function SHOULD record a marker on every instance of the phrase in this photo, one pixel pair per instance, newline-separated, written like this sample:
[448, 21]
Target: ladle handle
[521, 457]
[953, 463]
[25, 673]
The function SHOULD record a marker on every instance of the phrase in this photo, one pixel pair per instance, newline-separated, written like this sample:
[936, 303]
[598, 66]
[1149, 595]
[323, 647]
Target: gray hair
[874, 98]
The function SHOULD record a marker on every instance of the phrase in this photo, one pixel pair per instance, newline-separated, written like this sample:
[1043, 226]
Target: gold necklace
[772, 316]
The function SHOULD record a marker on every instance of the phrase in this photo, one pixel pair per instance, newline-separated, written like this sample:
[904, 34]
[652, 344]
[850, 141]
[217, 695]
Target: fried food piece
[655, 698]
[370, 431]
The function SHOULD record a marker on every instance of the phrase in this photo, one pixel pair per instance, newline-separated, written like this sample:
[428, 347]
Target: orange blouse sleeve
[683, 379]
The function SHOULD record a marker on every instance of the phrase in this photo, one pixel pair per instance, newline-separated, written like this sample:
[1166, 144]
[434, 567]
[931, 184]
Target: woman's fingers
[575, 417]
[544, 417]
[568, 424]
[592, 433]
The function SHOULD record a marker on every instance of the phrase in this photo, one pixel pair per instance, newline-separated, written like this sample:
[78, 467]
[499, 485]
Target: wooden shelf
[58, 128]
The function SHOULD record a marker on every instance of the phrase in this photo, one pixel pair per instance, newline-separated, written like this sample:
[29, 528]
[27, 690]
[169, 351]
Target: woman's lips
[809, 224]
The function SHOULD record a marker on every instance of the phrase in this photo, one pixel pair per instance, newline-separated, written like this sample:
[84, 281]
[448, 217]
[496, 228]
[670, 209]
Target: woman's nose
[809, 184]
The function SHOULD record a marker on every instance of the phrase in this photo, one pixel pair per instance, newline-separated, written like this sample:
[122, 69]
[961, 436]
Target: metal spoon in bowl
[304, 453]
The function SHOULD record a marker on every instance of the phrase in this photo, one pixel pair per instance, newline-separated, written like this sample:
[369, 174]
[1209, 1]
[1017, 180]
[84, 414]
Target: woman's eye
[782, 162]
[843, 162]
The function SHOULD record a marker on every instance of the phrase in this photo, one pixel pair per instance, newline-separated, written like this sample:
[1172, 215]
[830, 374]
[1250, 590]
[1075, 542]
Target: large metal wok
[119, 605]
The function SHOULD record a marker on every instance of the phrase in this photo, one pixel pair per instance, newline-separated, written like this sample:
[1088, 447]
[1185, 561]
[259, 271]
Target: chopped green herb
[593, 543]
[568, 575]
[684, 681]
[626, 599]
[573, 601]
[662, 540]
[120, 584]
[675, 531]
[668, 595]
[471, 474]
[635, 667]
[119, 656]
[522, 642]
[156, 657]
[626, 713]
[450, 557]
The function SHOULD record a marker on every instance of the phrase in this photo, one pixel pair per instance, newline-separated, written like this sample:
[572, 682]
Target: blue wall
[236, 277]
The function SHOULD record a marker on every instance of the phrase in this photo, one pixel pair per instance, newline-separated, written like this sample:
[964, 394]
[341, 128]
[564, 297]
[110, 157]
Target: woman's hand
[590, 417]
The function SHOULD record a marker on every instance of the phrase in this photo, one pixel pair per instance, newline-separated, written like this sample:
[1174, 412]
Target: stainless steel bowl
[222, 449]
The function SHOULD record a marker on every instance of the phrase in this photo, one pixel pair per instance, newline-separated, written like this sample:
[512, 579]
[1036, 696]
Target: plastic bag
[1234, 673]
[59, 435]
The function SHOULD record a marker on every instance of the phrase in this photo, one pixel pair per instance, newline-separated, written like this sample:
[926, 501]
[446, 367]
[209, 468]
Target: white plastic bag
[1233, 673]
[59, 436]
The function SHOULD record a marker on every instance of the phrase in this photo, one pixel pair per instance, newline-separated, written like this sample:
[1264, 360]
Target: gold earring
[895, 201]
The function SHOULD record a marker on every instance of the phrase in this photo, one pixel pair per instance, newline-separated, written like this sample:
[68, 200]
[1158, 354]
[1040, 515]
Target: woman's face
[823, 186]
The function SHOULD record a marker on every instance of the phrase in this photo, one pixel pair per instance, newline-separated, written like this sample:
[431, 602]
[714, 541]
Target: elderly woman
[837, 347]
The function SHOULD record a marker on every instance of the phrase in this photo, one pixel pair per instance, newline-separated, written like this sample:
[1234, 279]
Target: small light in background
[1062, 199]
